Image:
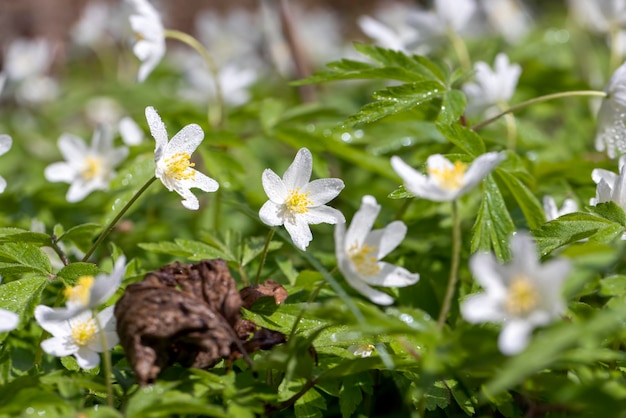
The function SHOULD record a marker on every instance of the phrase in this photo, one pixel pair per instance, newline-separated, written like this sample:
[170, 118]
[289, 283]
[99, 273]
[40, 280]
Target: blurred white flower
[610, 187]
[295, 202]
[611, 130]
[362, 350]
[8, 320]
[150, 44]
[79, 336]
[106, 110]
[510, 18]
[100, 22]
[36, 90]
[88, 293]
[26, 58]
[5, 145]
[521, 295]
[172, 160]
[492, 88]
[600, 16]
[86, 169]
[130, 132]
[360, 249]
[552, 211]
[446, 181]
[389, 28]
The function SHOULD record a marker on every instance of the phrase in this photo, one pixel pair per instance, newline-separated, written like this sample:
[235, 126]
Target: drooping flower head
[86, 168]
[360, 249]
[611, 130]
[521, 295]
[295, 202]
[78, 336]
[88, 293]
[492, 87]
[150, 45]
[446, 181]
[172, 160]
[5, 145]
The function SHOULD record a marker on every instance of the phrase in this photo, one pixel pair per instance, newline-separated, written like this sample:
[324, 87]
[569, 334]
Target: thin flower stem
[539, 99]
[216, 118]
[115, 220]
[270, 235]
[454, 268]
[108, 365]
[58, 250]
[511, 132]
[309, 300]
[460, 49]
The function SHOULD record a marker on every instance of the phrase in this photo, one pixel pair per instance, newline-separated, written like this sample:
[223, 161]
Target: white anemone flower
[492, 87]
[171, 158]
[88, 293]
[611, 130]
[552, 211]
[360, 249]
[295, 202]
[86, 168]
[522, 295]
[611, 187]
[150, 45]
[26, 58]
[8, 320]
[446, 181]
[5, 145]
[79, 336]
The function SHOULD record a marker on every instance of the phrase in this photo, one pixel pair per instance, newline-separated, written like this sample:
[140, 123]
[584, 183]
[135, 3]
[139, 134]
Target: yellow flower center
[83, 332]
[298, 202]
[364, 259]
[178, 166]
[92, 168]
[81, 292]
[449, 178]
[522, 296]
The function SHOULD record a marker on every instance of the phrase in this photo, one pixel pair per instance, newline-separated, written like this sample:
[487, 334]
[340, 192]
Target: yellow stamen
[364, 259]
[449, 178]
[83, 332]
[179, 167]
[522, 296]
[92, 168]
[81, 292]
[298, 202]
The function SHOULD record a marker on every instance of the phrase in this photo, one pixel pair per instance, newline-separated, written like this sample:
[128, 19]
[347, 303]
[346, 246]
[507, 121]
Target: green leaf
[72, 272]
[199, 250]
[611, 211]
[350, 395]
[452, 107]
[36, 238]
[493, 226]
[397, 99]
[389, 57]
[129, 181]
[81, 235]
[528, 203]
[17, 258]
[21, 296]
[613, 285]
[400, 193]
[464, 138]
[574, 227]
[310, 405]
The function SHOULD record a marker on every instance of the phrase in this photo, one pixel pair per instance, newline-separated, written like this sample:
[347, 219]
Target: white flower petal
[105, 285]
[299, 172]
[362, 222]
[5, 143]
[80, 189]
[60, 172]
[45, 317]
[481, 307]
[130, 132]
[3, 184]
[8, 320]
[377, 297]
[274, 186]
[388, 238]
[488, 273]
[323, 190]
[72, 147]
[111, 338]
[200, 181]
[391, 276]
[322, 214]
[480, 168]
[300, 233]
[86, 358]
[185, 141]
[59, 346]
[271, 214]
[157, 128]
[514, 337]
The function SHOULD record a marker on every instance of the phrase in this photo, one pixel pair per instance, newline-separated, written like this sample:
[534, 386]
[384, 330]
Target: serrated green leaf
[199, 250]
[397, 99]
[23, 258]
[72, 272]
[36, 238]
[390, 58]
[464, 138]
[170, 248]
[438, 396]
[21, 296]
[493, 226]
[310, 405]
[528, 203]
[574, 227]
[613, 285]
[452, 107]
[611, 211]
[254, 246]
[81, 235]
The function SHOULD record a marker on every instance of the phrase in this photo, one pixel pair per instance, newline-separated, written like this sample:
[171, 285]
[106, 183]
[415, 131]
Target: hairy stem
[115, 220]
[539, 99]
[215, 117]
[454, 268]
